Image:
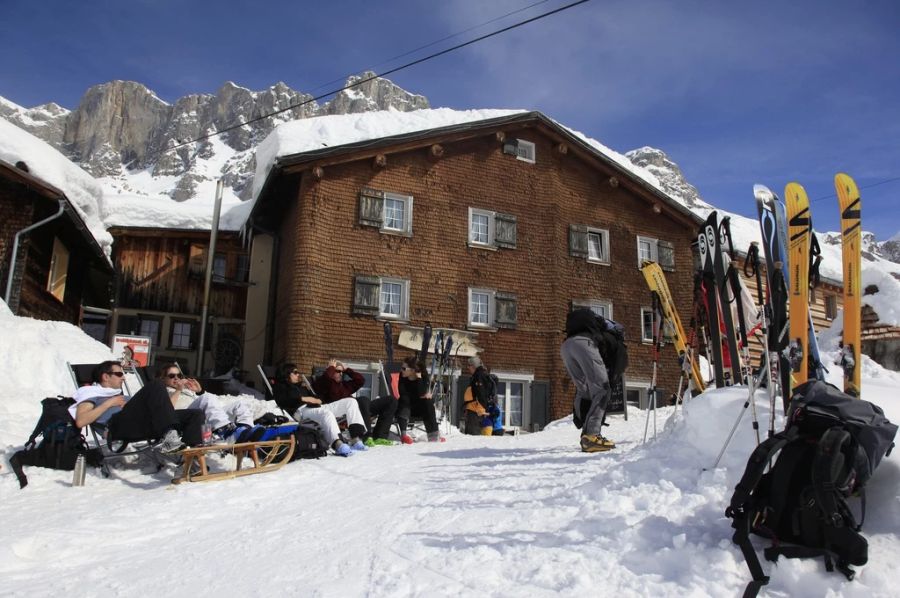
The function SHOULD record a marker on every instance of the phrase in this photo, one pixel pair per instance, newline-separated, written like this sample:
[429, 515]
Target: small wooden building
[160, 276]
[60, 270]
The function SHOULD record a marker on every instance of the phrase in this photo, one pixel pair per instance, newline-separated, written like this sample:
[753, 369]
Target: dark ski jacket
[330, 391]
[289, 396]
[482, 386]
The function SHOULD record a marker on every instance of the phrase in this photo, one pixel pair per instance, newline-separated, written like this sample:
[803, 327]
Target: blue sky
[735, 93]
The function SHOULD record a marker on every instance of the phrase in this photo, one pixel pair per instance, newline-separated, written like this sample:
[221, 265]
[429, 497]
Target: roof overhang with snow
[49, 192]
[298, 162]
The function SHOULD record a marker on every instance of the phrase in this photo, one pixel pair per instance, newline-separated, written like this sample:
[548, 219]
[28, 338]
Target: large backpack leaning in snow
[829, 449]
[61, 442]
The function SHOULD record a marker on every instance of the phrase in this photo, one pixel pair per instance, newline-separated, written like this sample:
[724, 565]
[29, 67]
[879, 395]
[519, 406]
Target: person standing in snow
[581, 355]
[478, 400]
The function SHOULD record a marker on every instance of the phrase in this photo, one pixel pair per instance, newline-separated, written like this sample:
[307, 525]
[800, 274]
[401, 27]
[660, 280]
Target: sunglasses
[295, 372]
[119, 374]
[173, 376]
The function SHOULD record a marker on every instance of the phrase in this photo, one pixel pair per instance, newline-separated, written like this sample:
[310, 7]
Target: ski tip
[762, 192]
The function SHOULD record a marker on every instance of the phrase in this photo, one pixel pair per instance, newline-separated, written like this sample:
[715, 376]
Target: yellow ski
[653, 274]
[799, 231]
[851, 236]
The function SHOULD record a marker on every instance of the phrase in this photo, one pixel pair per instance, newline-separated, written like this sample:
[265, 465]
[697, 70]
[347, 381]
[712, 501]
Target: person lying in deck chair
[232, 424]
[340, 382]
[148, 415]
[289, 396]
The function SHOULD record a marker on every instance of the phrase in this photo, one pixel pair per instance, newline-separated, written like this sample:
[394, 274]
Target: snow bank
[511, 516]
[47, 164]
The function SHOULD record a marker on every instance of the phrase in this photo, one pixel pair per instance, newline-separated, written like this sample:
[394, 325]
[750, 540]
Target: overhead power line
[884, 182]
[380, 75]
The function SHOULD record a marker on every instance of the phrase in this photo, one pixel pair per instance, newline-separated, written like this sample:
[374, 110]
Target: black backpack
[61, 442]
[308, 443]
[613, 350]
[829, 449]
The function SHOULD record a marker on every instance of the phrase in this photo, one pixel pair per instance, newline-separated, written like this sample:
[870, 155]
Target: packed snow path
[512, 516]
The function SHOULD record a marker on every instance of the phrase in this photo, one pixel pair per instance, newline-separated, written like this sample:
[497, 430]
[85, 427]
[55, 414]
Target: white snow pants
[219, 414]
[325, 416]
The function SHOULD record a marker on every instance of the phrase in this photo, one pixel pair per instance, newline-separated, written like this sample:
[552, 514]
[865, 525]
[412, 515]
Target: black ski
[707, 245]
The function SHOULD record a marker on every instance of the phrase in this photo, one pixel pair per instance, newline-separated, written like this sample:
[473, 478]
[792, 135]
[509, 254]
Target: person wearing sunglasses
[341, 382]
[415, 399]
[299, 402]
[148, 415]
[231, 422]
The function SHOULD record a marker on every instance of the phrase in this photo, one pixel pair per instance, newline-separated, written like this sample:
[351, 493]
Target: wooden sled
[279, 452]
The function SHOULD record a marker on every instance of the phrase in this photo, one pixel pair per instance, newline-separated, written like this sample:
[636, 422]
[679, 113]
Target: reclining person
[289, 396]
[415, 399]
[330, 386]
[148, 415]
[233, 424]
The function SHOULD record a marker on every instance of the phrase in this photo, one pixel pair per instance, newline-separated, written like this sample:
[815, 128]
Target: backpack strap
[829, 471]
[740, 501]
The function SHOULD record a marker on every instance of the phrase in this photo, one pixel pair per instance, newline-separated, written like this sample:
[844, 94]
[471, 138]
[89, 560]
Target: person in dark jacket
[478, 400]
[289, 396]
[340, 382]
[415, 399]
[581, 356]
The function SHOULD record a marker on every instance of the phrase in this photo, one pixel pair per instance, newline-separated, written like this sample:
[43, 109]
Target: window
[492, 309]
[59, 267]
[601, 307]
[243, 268]
[220, 267]
[589, 243]
[521, 149]
[654, 250]
[140, 325]
[382, 297]
[182, 334]
[646, 324]
[150, 327]
[511, 396]
[389, 212]
[491, 229]
[598, 245]
[830, 307]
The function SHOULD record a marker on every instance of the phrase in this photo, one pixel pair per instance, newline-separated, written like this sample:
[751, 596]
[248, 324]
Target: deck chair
[267, 373]
[390, 378]
[82, 376]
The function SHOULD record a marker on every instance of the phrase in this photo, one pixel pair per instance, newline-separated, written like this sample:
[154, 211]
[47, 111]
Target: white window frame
[367, 368]
[595, 305]
[654, 250]
[491, 228]
[406, 228]
[643, 390]
[491, 313]
[646, 335]
[525, 380]
[404, 298]
[604, 245]
[525, 151]
[833, 299]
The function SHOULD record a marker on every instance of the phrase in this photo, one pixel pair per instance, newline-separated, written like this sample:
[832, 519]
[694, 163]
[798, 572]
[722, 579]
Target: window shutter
[505, 310]
[578, 241]
[540, 404]
[366, 295]
[197, 260]
[511, 147]
[666, 254]
[505, 230]
[371, 207]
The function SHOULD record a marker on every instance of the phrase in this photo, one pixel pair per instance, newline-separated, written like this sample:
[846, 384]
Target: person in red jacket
[340, 382]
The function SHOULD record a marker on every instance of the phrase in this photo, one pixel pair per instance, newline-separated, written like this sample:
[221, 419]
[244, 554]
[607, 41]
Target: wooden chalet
[60, 270]
[159, 294]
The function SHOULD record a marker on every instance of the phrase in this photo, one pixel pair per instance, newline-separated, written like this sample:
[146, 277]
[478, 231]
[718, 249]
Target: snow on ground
[512, 516]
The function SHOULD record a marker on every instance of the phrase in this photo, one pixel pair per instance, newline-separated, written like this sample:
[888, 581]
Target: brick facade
[323, 246]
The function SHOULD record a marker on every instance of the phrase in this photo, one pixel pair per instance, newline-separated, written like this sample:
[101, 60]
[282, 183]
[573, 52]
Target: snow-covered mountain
[120, 130]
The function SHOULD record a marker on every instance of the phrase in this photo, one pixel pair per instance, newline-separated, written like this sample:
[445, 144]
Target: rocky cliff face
[122, 128]
[670, 176]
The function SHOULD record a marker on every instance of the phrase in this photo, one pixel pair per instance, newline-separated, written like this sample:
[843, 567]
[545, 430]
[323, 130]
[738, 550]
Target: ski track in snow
[514, 516]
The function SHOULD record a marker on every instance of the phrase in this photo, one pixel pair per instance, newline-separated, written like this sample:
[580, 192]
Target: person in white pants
[232, 422]
[289, 396]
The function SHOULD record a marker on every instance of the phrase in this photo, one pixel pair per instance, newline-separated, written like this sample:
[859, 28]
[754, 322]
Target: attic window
[521, 149]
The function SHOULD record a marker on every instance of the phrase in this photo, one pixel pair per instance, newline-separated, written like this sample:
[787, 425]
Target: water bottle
[78, 473]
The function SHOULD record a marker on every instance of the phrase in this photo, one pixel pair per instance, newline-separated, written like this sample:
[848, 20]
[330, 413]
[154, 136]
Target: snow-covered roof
[47, 164]
[314, 134]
